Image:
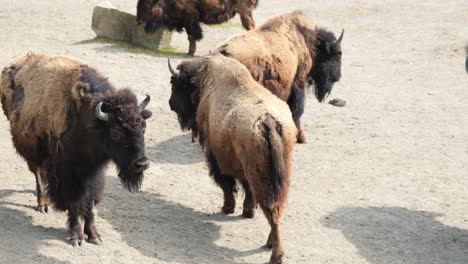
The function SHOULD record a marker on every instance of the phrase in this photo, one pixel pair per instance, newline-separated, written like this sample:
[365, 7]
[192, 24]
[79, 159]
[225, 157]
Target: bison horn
[173, 72]
[338, 42]
[145, 102]
[100, 114]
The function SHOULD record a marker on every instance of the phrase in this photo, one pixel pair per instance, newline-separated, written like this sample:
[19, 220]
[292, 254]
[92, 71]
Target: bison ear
[81, 90]
[145, 114]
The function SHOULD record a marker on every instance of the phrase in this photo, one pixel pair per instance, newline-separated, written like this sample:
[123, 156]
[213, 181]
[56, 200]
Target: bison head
[121, 124]
[326, 67]
[149, 15]
[184, 96]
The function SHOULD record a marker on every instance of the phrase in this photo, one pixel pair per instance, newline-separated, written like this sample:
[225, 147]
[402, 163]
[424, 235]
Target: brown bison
[247, 133]
[286, 55]
[187, 14]
[68, 121]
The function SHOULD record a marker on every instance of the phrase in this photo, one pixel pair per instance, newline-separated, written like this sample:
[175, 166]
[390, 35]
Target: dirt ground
[382, 180]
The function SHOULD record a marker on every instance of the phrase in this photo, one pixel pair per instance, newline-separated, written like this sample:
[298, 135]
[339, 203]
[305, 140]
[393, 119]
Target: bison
[286, 55]
[246, 131]
[187, 14]
[68, 121]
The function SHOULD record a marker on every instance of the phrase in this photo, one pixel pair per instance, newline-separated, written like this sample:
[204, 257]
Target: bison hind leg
[250, 204]
[273, 215]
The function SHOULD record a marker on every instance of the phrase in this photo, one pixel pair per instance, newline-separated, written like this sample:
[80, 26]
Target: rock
[109, 22]
[337, 102]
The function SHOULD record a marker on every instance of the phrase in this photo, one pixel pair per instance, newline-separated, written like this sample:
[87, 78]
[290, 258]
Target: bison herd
[243, 101]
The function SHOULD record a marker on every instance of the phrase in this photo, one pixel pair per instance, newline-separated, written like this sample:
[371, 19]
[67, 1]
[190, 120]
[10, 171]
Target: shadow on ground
[17, 233]
[166, 230]
[113, 46]
[398, 235]
[176, 150]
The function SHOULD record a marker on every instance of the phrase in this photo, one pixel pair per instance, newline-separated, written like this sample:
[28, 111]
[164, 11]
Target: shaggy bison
[246, 131]
[68, 121]
[187, 14]
[285, 55]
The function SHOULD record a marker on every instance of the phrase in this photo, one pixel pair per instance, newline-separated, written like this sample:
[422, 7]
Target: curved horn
[340, 38]
[145, 102]
[173, 72]
[100, 114]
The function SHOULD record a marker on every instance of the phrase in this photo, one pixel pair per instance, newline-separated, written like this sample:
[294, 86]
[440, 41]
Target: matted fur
[247, 133]
[285, 54]
[51, 103]
[34, 71]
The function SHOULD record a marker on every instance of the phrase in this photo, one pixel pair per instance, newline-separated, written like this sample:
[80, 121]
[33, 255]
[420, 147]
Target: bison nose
[143, 163]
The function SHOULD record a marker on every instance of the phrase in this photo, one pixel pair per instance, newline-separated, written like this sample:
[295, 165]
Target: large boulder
[112, 23]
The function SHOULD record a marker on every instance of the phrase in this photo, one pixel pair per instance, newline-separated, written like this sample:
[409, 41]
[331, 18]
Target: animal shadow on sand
[176, 150]
[166, 230]
[398, 235]
[116, 46]
[18, 234]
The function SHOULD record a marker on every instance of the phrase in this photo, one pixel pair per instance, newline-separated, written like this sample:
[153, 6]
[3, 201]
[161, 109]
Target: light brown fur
[33, 72]
[232, 112]
[282, 45]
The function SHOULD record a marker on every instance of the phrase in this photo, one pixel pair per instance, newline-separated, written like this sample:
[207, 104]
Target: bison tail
[272, 132]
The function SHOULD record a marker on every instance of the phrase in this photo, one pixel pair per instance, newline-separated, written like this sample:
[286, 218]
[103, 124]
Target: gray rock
[337, 102]
[109, 22]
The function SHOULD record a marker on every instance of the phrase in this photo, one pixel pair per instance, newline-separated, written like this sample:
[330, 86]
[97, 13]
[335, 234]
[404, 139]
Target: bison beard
[324, 75]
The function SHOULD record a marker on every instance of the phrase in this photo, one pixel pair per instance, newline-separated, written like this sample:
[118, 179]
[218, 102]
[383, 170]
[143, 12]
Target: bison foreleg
[247, 19]
[296, 102]
[228, 184]
[90, 227]
[41, 187]
[250, 205]
[75, 228]
[195, 33]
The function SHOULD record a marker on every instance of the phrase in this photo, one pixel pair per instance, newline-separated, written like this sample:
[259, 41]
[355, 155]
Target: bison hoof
[43, 209]
[248, 213]
[76, 242]
[276, 259]
[301, 138]
[95, 241]
[228, 209]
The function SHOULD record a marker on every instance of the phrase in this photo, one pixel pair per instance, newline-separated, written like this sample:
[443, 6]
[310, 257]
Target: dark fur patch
[97, 82]
[18, 96]
[296, 102]
[226, 183]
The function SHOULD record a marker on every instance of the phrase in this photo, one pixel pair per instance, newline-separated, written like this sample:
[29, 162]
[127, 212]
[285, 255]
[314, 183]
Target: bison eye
[116, 135]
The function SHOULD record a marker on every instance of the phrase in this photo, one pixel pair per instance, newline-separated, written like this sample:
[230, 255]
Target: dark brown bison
[286, 55]
[187, 14]
[246, 131]
[68, 121]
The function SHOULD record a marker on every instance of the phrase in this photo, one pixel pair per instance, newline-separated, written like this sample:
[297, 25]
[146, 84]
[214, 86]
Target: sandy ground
[382, 180]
